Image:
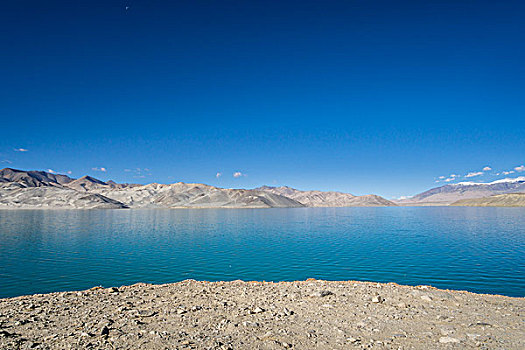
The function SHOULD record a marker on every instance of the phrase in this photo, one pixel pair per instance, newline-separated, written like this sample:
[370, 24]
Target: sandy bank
[255, 315]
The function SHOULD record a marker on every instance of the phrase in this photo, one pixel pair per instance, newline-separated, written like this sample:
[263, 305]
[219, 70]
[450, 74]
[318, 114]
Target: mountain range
[499, 200]
[39, 189]
[449, 194]
[327, 199]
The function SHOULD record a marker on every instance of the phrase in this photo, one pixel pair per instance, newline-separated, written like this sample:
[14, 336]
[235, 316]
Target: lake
[476, 249]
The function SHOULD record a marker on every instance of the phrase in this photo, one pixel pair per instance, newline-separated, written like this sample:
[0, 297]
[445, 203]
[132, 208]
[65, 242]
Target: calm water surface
[476, 249]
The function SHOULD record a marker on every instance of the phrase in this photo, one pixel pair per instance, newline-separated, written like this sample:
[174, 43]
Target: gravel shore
[261, 315]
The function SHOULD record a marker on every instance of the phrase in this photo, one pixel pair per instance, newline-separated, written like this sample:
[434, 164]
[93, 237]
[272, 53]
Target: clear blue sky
[359, 96]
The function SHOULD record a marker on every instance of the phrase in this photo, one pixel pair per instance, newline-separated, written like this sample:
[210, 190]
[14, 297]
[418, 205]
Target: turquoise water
[476, 249]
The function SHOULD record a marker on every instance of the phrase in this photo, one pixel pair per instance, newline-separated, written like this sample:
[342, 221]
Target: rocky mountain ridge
[499, 200]
[33, 178]
[448, 194]
[327, 199]
[21, 189]
[42, 190]
[39, 189]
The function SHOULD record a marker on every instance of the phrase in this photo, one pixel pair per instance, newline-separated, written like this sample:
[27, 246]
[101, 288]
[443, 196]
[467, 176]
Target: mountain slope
[449, 194]
[38, 189]
[16, 196]
[327, 199]
[500, 200]
[33, 178]
[195, 196]
[86, 183]
[371, 200]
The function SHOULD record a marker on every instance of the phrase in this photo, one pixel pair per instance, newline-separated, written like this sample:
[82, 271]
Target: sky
[383, 97]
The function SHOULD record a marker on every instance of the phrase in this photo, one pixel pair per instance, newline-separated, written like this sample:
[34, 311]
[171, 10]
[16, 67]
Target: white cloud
[487, 168]
[507, 172]
[69, 172]
[51, 171]
[520, 168]
[6, 161]
[238, 174]
[99, 169]
[451, 177]
[218, 175]
[138, 173]
[473, 174]
[21, 150]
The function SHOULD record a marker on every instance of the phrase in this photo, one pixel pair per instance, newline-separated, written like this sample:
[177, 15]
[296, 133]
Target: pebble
[287, 312]
[146, 313]
[377, 299]
[473, 336]
[446, 340]
[352, 339]
[399, 335]
[321, 294]
[257, 310]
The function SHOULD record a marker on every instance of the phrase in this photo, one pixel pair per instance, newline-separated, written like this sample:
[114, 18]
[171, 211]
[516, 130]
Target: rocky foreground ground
[260, 315]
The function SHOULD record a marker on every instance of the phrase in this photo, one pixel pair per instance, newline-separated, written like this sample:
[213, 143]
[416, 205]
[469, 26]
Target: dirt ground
[261, 315]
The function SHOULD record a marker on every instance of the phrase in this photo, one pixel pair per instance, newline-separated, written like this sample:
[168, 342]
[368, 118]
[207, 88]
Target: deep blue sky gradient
[360, 96]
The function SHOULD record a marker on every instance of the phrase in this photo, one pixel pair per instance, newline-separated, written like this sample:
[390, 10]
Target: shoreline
[311, 314]
[10, 208]
[262, 282]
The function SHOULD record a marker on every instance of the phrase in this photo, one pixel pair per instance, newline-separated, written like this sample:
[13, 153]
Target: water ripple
[476, 249]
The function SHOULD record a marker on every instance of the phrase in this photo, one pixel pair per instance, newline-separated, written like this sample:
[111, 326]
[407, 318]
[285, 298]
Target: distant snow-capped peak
[506, 180]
